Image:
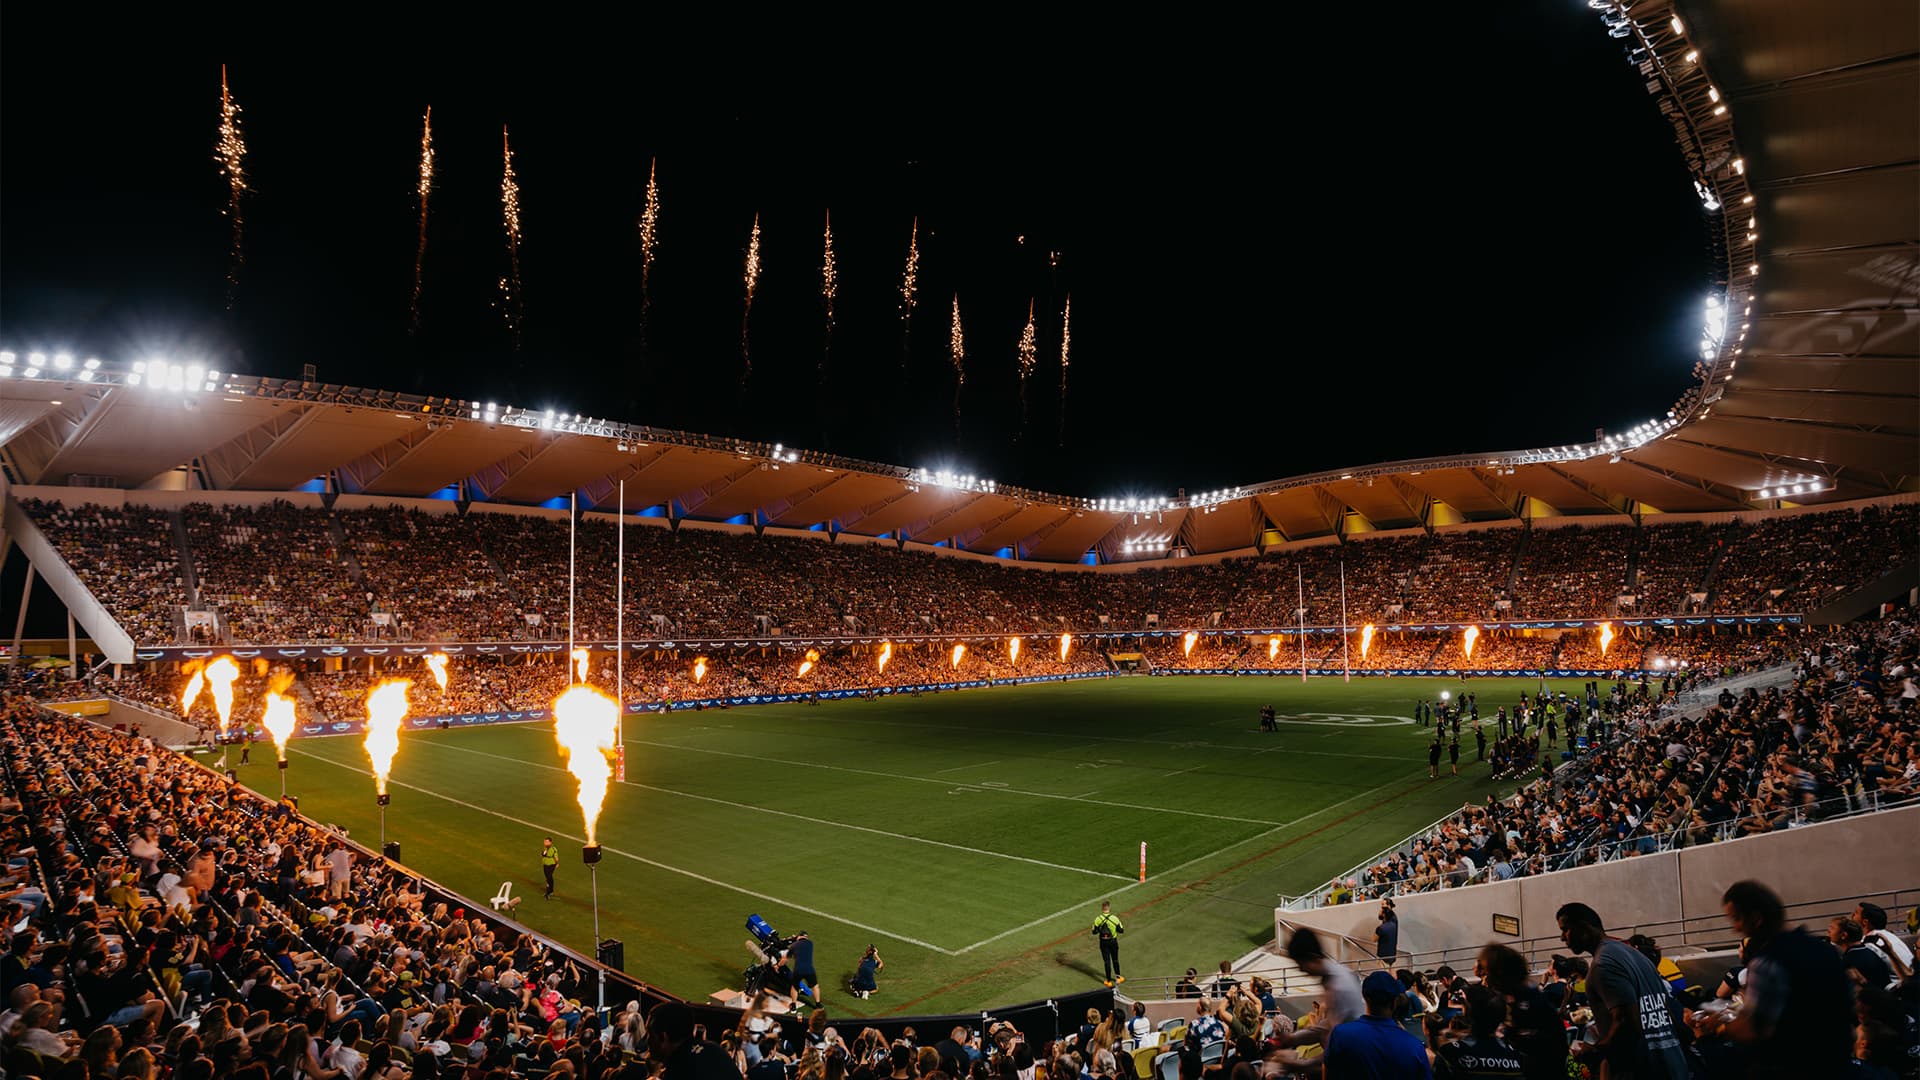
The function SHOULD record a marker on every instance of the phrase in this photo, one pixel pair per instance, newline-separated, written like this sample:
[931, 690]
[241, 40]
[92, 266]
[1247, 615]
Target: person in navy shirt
[1375, 1046]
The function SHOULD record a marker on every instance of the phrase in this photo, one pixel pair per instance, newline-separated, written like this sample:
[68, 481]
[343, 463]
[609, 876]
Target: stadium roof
[1809, 393]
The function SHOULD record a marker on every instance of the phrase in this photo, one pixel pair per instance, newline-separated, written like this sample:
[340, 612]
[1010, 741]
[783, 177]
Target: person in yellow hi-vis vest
[549, 860]
[1107, 928]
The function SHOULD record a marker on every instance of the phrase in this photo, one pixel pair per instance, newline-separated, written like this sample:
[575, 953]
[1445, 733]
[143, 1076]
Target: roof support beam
[595, 493]
[361, 474]
[692, 501]
[489, 479]
[227, 465]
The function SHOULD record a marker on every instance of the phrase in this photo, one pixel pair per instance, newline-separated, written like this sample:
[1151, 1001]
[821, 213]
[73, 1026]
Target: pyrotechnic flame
[514, 304]
[1366, 640]
[386, 707]
[886, 654]
[220, 676]
[649, 233]
[1606, 637]
[812, 658]
[753, 285]
[585, 722]
[1472, 635]
[910, 282]
[196, 682]
[1066, 341]
[426, 189]
[699, 668]
[230, 151]
[1273, 648]
[1013, 650]
[279, 717]
[959, 650]
[1187, 643]
[438, 663]
[579, 664]
[1066, 642]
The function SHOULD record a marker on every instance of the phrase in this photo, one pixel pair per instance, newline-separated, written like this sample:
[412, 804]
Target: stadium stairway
[184, 549]
[1863, 600]
[347, 558]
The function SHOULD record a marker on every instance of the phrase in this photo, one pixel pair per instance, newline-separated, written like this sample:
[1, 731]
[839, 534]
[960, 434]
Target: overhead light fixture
[62, 361]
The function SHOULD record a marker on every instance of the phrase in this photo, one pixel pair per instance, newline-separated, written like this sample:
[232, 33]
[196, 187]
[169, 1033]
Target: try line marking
[956, 783]
[796, 817]
[642, 859]
[1170, 872]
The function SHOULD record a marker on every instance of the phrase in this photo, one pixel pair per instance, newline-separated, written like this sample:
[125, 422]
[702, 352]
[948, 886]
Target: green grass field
[970, 835]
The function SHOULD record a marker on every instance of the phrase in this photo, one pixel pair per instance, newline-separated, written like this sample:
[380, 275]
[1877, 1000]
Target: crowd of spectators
[163, 923]
[1569, 568]
[1840, 731]
[274, 572]
[125, 555]
[1777, 564]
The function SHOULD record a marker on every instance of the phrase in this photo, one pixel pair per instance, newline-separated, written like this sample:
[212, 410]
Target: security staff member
[549, 860]
[1107, 928]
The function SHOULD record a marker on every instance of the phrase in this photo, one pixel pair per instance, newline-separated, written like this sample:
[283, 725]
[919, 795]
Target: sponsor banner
[188, 652]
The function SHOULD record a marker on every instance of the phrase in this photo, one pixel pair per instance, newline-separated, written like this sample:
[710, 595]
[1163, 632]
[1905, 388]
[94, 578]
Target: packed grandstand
[1709, 728]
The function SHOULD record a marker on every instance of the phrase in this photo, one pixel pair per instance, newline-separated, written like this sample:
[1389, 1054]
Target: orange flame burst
[1187, 643]
[1013, 650]
[196, 682]
[438, 663]
[1066, 643]
[580, 664]
[959, 650]
[1472, 635]
[585, 722]
[886, 654]
[1606, 637]
[699, 668]
[279, 717]
[386, 707]
[1273, 648]
[813, 657]
[220, 676]
[1366, 640]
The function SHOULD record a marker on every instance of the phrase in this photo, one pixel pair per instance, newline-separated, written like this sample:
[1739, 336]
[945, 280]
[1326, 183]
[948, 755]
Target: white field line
[958, 768]
[1172, 871]
[798, 817]
[1175, 743]
[641, 859]
[955, 784]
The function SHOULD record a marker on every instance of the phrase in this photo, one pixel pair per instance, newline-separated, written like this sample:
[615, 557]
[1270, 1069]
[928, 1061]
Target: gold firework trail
[909, 290]
[957, 347]
[829, 287]
[649, 236]
[513, 302]
[1066, 340]
[230, 152]
[753, 284]
[1029, 356]
[426, 189]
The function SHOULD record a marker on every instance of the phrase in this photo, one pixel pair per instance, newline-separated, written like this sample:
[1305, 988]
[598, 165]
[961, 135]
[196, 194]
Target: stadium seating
[282, 574]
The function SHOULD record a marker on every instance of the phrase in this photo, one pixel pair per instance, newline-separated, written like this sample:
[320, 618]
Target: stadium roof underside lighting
[1809, 385]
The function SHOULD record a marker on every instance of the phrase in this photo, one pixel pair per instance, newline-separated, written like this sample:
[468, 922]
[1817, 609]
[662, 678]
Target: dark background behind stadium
[1396, 243]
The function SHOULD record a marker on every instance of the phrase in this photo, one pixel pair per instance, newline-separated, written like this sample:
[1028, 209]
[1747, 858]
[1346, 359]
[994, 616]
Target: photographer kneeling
[864, 983]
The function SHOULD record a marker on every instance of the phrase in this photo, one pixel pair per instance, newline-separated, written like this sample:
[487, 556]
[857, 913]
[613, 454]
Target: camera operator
[865, 980]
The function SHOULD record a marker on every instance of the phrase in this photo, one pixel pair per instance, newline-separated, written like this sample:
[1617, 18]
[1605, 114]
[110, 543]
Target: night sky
[1406, 238]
